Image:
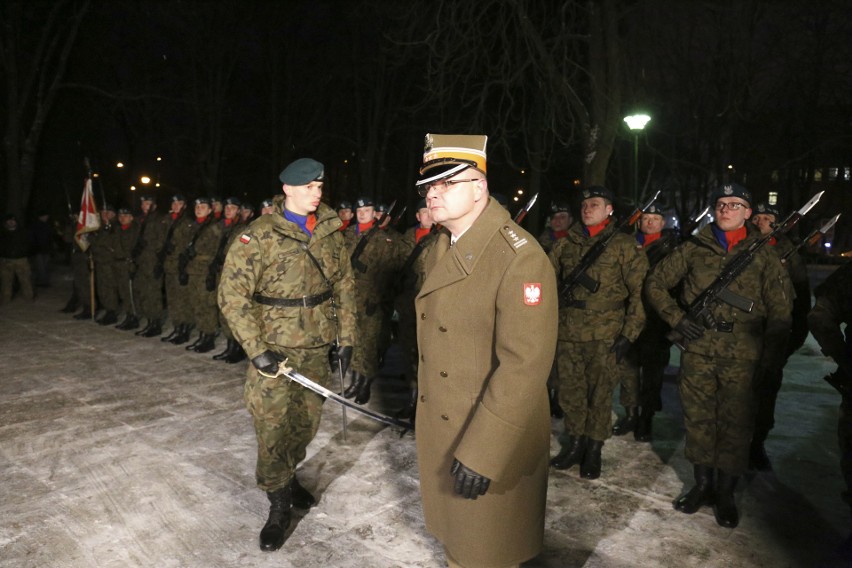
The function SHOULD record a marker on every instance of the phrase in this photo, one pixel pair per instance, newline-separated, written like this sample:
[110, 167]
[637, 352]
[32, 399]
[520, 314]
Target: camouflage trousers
[126, 292]
[80, 271]
[106, 287]
[205, 311]
[368, 327]
[177, 297]
[286, 416]
[10, 268]
[642, 372]
[587, 377]
[766, 394]
[718, 410]
[149, 292]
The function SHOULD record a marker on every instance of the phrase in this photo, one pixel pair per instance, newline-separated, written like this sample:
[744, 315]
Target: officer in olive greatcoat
[288, 293]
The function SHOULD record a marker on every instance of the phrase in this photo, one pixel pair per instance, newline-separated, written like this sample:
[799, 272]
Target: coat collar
[457, 262]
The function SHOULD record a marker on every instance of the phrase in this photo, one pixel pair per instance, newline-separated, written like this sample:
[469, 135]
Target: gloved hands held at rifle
[266, 362]
[469, 484]
[210, 281]
[344, 355]
[620, 348]
[689, 329]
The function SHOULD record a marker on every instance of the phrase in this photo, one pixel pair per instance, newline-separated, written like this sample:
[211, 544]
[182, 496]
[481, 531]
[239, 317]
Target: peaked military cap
[363, 202]
[731, 190]
[302, 172]
[446, 155]
[767, 209]
[597, 191]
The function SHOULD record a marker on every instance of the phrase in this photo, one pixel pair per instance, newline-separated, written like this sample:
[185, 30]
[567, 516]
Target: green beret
[302, 172]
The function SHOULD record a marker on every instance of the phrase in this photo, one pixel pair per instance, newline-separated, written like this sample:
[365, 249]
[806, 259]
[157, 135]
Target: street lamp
[636, 123]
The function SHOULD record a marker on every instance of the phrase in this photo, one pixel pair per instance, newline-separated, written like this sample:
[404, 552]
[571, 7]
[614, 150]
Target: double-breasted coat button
[422, 398]
[423, 316]
[444, 374]
[442, 328]
[444, 417]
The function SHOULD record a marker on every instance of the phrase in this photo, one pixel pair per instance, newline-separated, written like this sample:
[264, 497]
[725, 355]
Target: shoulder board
[513, 238]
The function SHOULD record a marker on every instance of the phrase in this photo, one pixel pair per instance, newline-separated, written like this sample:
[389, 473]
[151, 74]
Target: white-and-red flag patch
[245, 239]
[532, 293]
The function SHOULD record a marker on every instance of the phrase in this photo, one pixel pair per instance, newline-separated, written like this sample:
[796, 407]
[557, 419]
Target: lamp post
[636, 123]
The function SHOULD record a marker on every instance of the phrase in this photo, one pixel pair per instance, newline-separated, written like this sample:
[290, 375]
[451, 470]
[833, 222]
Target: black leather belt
[304, 301]
[600, 306]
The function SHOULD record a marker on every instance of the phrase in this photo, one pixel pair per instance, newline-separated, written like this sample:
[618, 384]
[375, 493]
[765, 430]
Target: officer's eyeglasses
[730, 206]
[441, 186]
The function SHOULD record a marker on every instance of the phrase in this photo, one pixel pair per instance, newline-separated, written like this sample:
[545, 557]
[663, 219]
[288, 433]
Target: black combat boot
[144, 329]
[409, 411]
[355, 386]
[206, 344]
[229, 346]
[175, 331]
[590, 468]
[626, 424]
[642, 433]
[154, 329]
[85, 314]
[302, 498]
[72, 305]
[130, 322]
[572, 452]
[758, 460]
[183, 334]
[725, 507]
[363, 394]
[199, 339]
[555, 410]
[701, 494]
[236, 355]
[272, 533]
[109, 318]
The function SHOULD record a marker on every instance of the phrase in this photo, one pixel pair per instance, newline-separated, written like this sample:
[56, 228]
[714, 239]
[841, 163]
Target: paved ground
[118, 451]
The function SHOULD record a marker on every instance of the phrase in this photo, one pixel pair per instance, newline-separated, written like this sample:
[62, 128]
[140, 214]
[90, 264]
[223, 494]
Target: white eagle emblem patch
[532, 293]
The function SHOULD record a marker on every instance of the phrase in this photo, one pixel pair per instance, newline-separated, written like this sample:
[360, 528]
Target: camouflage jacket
[696, 263]
[411, 281]
[125, 240]
[206, 244]
[616, 308]
[268, 258]
[381, 257]
[798, 271]
[155, 226]
[103, 244]
[181, 235]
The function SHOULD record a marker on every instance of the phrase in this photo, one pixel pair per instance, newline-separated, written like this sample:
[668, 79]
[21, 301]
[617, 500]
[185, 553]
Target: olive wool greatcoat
[486, 331]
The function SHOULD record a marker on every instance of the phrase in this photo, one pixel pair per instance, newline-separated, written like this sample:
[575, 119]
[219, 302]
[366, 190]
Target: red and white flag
[88, 220]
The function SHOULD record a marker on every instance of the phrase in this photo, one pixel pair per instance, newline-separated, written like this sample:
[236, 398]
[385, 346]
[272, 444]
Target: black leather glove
[266, 362]
[469, 484]
[344, 355]
[620, 348]
[689, 329]
[210, 282]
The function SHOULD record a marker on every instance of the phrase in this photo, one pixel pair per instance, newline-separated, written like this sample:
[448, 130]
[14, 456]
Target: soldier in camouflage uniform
[194, 269]
[719, 365]
[127, 235]
[413, 247]
[287, 291]
[643, 367]
[177, 296]
[377, 260]
[231, 227]
[103, 248]
[595, 330]
[833, 309]
[267, 206]
[148, 283]
[764, 218]
[344, 211]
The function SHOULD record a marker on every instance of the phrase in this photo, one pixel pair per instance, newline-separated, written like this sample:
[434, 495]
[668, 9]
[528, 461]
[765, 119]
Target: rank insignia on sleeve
[245, 239]
[532, 293]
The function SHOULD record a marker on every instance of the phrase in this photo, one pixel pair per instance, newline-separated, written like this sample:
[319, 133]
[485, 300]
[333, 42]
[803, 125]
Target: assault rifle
[362, 244]
[701, 309]
[813, 238]
[578, 276]
[519, 216]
